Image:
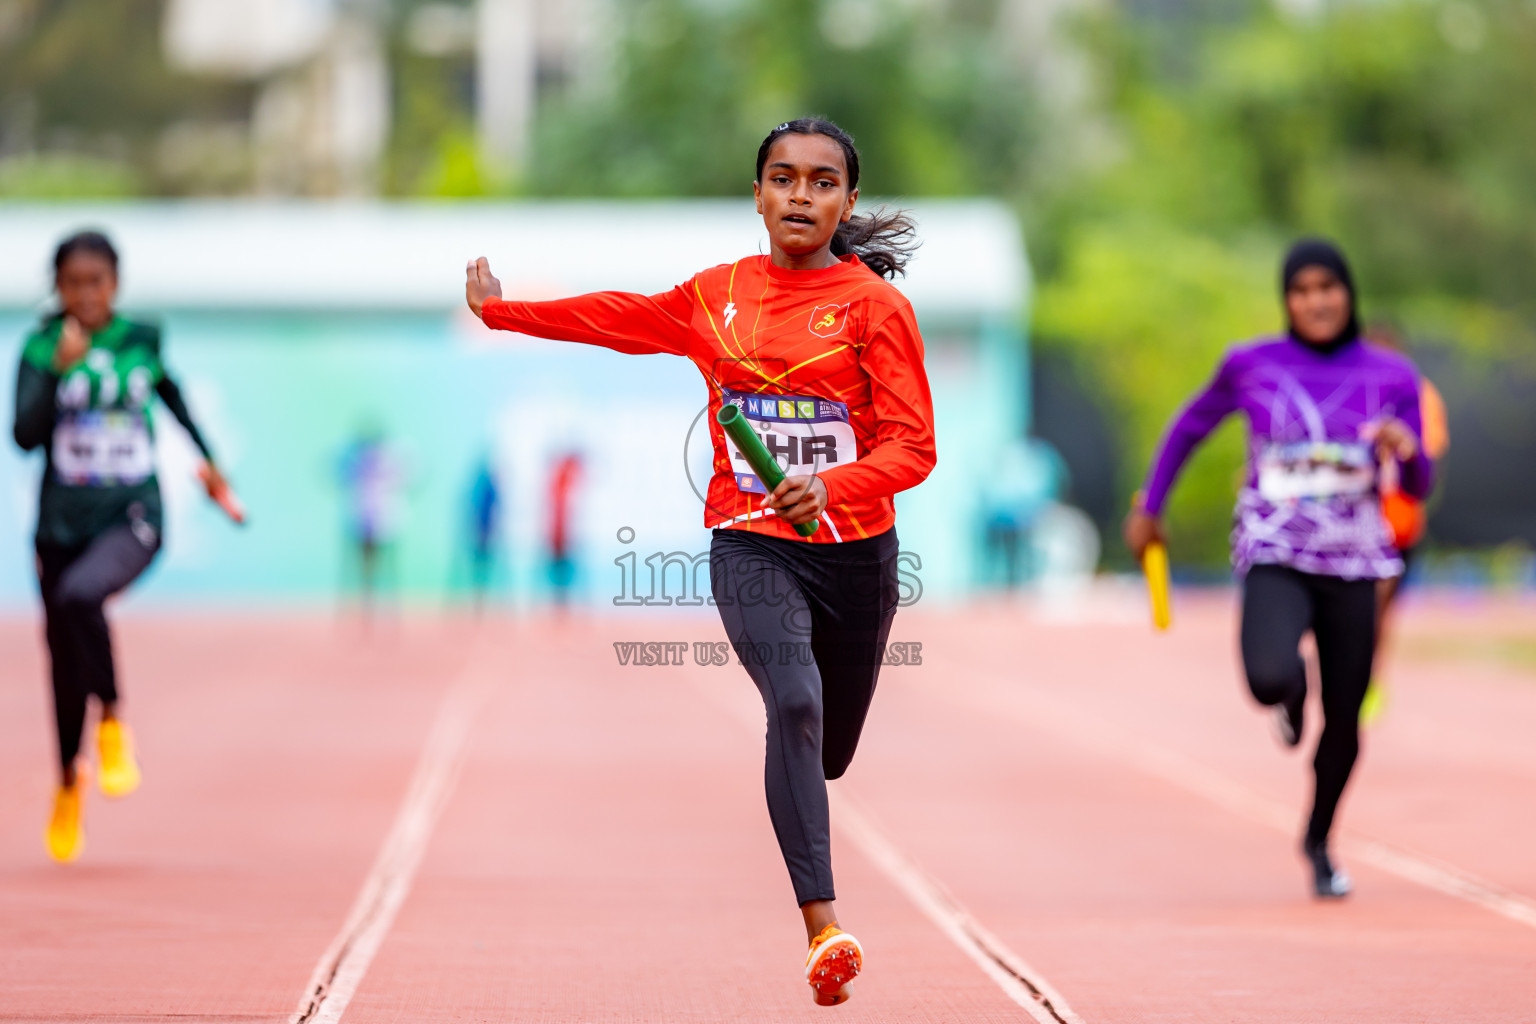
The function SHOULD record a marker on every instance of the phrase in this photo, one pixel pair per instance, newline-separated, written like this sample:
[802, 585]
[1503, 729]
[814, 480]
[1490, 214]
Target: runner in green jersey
[84, 391]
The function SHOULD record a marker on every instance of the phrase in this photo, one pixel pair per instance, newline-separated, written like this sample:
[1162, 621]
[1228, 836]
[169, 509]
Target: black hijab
[1317, 252]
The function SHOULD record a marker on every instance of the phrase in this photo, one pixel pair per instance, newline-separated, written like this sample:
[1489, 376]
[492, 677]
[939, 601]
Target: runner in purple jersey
[1325, 411]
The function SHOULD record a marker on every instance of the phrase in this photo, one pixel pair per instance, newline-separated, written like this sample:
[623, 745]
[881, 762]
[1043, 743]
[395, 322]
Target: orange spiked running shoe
[834, 961]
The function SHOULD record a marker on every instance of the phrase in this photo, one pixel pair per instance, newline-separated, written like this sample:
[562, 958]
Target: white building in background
[506, 80]
[251, 39]
[322, 117]
[321, 121]
[522, 47]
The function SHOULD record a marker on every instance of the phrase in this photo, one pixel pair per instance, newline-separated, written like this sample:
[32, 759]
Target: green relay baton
[767, 469]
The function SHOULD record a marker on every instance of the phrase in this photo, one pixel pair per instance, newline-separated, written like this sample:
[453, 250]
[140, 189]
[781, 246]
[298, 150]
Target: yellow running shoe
[65, 836]
[834, 961]
[1374, 704]
[119, 769]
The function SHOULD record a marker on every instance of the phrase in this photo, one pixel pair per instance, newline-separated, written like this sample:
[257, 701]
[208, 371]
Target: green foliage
[431, 149]
[1150, 308]
[1402, 129]
[455, 172]
[934, 100]
[85, 82]
[66, 177]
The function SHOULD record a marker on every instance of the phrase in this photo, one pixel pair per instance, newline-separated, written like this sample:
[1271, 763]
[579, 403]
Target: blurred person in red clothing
[564, 479]
[824, 358]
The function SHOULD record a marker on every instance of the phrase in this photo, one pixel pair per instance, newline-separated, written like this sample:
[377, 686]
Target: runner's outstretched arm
[623, 321]
[209, 473]
[1215, 402]
[171, 395]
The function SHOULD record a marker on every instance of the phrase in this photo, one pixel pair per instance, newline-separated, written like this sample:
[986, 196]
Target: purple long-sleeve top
[1309, 499]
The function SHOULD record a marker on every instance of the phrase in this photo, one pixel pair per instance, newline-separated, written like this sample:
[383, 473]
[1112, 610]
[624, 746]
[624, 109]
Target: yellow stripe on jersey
[855, 522]
[805, 362]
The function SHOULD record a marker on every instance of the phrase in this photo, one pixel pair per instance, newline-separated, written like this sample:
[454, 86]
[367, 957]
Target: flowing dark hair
[93, 242]
[884, 240]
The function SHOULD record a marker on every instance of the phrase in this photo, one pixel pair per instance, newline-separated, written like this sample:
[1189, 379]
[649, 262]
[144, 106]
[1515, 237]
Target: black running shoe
[1288, 720]
[1328, 882]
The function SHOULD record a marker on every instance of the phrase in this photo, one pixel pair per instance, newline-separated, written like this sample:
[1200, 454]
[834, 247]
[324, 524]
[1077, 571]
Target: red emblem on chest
[828, 320]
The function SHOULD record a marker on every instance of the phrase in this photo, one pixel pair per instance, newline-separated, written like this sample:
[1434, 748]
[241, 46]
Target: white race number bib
[804, 435]
[102, 448]
[1316, 469]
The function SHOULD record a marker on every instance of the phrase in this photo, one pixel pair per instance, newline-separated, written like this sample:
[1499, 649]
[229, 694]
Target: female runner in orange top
[823, 356]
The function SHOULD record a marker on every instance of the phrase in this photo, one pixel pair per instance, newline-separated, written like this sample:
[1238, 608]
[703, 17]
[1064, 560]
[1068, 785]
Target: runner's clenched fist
[479, 284]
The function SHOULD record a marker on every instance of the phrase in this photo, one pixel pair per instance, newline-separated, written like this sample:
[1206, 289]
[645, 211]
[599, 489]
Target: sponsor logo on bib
[804, 434]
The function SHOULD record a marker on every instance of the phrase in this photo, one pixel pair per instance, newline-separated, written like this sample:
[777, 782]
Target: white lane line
[1444, 878]
[342, 967]
[1184, 772]
[1019, 982]
[1189, 774]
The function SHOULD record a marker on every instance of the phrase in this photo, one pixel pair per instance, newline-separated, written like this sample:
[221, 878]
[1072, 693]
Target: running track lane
[607, 856]
[609, 821]
[274, 755]
[1150, 901]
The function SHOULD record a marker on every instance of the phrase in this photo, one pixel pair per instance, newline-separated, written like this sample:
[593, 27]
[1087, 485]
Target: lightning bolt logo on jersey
[729, 313]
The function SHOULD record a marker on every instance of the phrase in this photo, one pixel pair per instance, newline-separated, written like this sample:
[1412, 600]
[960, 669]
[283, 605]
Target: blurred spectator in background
[373, 477]
[485, 527]
[1028, 476]
[564, 478]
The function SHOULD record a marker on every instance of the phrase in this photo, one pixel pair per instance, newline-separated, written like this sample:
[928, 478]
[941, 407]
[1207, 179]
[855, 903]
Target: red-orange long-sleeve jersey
[842, 334]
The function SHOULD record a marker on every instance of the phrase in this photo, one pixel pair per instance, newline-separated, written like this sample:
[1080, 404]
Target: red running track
[587, 841]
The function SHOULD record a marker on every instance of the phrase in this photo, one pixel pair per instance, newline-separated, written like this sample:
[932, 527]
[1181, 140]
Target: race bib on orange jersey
[805, 435]
[1316, 470]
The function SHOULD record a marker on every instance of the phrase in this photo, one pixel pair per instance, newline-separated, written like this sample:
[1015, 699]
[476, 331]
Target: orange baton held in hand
[220, 491]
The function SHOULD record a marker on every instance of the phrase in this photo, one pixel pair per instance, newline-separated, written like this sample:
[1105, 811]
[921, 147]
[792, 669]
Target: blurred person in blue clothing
[485, 527]
[372, 477]
[1028, 476]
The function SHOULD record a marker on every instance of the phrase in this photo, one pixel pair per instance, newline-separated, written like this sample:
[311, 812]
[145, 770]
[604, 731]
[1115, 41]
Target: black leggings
[75, 582]
[1279, 605]
[810, 622]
